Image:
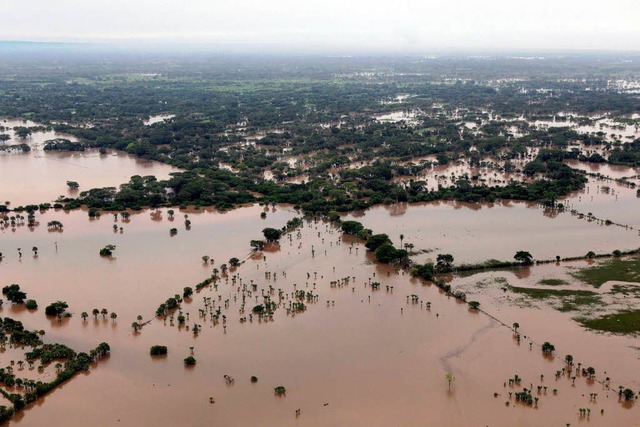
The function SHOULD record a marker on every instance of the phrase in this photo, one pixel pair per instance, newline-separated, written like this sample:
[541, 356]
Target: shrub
[157, 350]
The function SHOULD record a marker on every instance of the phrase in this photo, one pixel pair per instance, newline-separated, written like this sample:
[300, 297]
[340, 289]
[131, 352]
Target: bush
[158, 350]
[107, 251]
[14, 294]
[56, 308]
[388, 254]
[377, 240]
[351, 227]
[189, 361]
[31, 304]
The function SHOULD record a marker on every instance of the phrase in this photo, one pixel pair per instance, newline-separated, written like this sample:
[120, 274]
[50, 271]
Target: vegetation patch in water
[623, 322]
[553, 282]
[624, 270]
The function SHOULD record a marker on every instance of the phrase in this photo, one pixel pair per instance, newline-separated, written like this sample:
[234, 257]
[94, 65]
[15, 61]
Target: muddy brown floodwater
[476, 232]
[356, 356]
[41, 176]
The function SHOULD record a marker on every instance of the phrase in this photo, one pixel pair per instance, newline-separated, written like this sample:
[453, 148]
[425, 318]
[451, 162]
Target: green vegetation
[271, 234]
[218, 105]
[157, 350]
[107, 251]
[45, 354]
[280, 390]
[523, 257]
[624, 270]
[14, 294]
[553, 282]
[388, 254]
[189, 361]
[57, 308]
[62, 144]
[623, 322]
[351, 227]
[548, 348]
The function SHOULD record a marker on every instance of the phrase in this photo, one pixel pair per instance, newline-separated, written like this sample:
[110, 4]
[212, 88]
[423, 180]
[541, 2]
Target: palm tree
[104, 313]
[450, 378]
[95, 312]
[113, 316]
[84, 315]
[401, 239]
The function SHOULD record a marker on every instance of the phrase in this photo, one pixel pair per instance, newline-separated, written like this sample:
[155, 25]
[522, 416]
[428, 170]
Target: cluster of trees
[63, 144]
[73, 363]
[379, 244]
[204, 132]
[158, 350]
[13, 294]
[57, 308]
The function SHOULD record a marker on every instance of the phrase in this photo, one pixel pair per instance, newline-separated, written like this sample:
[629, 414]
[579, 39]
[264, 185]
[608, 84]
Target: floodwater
[41, 176]
[408, 116]
[158, 119]
[356, 356]
[366, 358]
[606, 198]
[474, 232]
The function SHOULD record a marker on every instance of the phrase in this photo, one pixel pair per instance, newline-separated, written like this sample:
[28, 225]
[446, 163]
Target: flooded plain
[353, 342]
[41, 176]
[355, 355]
[474, 232]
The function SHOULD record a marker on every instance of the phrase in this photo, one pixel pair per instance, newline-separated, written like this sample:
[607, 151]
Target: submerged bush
[157, 350]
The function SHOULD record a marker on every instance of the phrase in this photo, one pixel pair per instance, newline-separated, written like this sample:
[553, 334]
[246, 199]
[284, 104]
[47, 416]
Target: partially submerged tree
[523, 257]
[272, 234]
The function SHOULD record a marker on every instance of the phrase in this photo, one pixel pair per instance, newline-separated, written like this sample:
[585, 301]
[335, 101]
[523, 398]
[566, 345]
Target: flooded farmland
[342, 359]
[41, 176]
[440, 242]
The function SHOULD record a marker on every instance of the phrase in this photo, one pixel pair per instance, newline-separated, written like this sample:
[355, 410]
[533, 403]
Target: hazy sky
[341, 25]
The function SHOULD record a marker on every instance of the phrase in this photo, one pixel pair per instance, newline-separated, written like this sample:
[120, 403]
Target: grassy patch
[553, 282]
[551, 293]
[579, 302]
[564, 300]
[624, 322]
[624, 270]
[625, 290]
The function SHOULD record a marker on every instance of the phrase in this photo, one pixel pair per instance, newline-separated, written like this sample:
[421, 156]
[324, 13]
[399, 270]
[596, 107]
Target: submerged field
[343, 359]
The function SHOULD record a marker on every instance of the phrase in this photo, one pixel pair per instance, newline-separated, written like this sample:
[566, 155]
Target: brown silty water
[355, 356]
[41, 176]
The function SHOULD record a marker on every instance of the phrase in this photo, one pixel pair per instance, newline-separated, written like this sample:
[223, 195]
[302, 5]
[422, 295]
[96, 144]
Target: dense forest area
[333, 134]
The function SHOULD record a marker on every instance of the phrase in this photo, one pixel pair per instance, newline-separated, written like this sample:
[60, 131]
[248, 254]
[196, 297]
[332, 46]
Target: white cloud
[365, 24]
